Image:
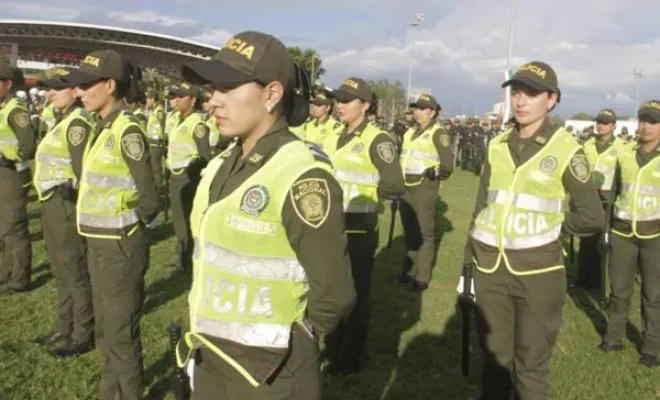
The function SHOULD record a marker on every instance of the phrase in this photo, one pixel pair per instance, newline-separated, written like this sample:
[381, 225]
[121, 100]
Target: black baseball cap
[246, 57]
[185, 89]
[537, 75]
[99, 65]
[57, 82]
[322, 98]
[354, 88]
[426, 101]
[606, 116]
[650, 110]
[11, 73]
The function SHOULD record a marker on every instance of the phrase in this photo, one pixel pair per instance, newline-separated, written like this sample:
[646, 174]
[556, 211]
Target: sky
[459, 51]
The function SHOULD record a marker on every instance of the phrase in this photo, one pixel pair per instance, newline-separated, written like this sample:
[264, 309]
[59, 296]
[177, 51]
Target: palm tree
[154, 80]
[310, 59]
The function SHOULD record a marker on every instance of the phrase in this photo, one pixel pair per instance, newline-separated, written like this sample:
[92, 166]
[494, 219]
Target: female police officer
[270, 266]
[116, 199]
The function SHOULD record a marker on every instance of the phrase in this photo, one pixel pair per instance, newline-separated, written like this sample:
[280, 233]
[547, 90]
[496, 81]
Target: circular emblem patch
[254, 200]
[109, 143]
[548, 164]
[357, 148]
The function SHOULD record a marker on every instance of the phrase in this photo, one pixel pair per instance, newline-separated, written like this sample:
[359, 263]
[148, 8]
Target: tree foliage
[152, 79]
[388, 90]
[583, 117]
[310, 59]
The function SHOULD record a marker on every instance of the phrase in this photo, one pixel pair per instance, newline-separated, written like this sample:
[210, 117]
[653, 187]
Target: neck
[66, 108]
[649, 147]
[602, 139]
[186, 113]
[250, 140]
[105, 110]
[528, 130]
[353, 125]
[323, 119]
[424, 125]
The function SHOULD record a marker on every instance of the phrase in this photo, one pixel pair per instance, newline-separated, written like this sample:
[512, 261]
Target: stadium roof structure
[72, 41]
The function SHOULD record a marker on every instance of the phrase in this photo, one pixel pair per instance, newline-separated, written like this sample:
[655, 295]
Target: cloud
[58, 11]
[214, 37]
[150, 17]
[620, 98]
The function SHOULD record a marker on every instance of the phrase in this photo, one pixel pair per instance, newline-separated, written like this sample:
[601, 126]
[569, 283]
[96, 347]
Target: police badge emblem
[254, 200]
[109, 143]
[548, 164]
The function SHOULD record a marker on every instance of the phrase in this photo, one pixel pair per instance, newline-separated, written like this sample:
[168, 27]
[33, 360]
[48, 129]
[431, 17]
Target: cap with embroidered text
[650, 111]
[426, 101]
[605, 116]
[100, 65]
[57, 82]
[353, 88]
[537, 75]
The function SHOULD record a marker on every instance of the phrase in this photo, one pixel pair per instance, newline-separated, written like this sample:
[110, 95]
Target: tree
[583, 117]
[152, 79]
[310, 59]
[391, 98]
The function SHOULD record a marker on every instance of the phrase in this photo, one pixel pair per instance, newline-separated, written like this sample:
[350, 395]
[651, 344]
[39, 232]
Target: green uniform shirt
[586, 215]
[319, 250]
[139, 165]
[390, 185]
[19, 121]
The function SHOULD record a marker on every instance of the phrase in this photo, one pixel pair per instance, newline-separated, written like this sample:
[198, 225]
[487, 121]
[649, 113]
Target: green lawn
[414, 342]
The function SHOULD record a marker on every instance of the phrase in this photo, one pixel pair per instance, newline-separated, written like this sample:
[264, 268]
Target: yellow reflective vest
[419, 154]
[52, 165]
[155, 131]
[248, 286]
[182, 149]
[108, 197]
[318, 133]
[639, 197]
[525, 203]
[9, 146]
[603, 165]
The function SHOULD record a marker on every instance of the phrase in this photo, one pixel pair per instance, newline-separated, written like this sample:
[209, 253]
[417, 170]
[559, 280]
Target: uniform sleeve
[201, 136]
[480, 203]
[76, 138]
[161, 117]
[386, 159]
[442, 142]
[585, 215]
[135, 151]
[314, 221]
[19, 121]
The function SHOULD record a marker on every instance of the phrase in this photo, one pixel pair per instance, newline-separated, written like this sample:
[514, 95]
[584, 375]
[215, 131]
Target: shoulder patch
[445, 140]
[200, 130]
[76, 135]
[318, 153]
[311, 200]
[579, 167]
[133, 146]
[386, 151]
[20, 118]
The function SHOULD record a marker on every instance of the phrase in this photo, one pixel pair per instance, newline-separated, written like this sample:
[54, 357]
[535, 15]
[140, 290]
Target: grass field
[414, 343]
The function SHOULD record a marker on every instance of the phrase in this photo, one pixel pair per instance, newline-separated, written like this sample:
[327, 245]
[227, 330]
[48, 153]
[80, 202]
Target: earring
[269, 108]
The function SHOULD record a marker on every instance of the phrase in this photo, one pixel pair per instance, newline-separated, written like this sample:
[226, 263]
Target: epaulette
[318, 153]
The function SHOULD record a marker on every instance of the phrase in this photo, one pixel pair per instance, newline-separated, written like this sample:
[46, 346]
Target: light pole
[509, 55]
[638, 75]
[417, 21]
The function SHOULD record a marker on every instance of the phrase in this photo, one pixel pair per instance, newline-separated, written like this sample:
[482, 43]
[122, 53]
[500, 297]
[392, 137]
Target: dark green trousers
[347, 344]
[418, 216]
[156, 154]
[117, 269]
[15, 246]
[589, 262]
[625, 257]
[182, 192]
[298, 378]
[518, 321]
[67, 253]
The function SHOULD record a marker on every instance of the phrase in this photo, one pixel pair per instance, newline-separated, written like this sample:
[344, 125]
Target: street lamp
[417, 21]
[638, 75]
[509, 56]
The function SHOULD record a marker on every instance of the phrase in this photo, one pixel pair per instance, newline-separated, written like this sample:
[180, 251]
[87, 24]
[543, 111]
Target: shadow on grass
[164, 290]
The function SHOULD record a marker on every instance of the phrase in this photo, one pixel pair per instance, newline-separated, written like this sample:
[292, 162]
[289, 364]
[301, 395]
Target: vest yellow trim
[9, 146]
[419, 154]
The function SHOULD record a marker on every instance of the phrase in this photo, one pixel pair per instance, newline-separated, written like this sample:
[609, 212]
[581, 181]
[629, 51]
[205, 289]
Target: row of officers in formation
[280, 234]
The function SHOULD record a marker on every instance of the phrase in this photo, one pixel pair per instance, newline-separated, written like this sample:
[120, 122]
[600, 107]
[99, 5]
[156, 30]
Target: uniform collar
[360, 128]
[267, 144]
[112, 115]
[541, 136]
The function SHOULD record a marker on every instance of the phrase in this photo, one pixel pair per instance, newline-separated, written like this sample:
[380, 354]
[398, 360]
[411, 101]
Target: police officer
[156, 133]
[520, 280]
[57, 171]
[601, 152]
[17, 146]
[426, 159]
[324, 126]
[366, 164]
[276, 275]
[635, 238]
[117, 197]
[188, 153]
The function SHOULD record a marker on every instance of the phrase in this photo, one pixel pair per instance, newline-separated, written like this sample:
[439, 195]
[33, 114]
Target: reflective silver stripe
[275, 268]
[254, 335]
[22, 165]
[156, 138]
[525, 201]
[417, 170]
[46, 185]
[628, 215]
[423, 155]
[109, 222]
[360, 207]
[180, 164]
[518, 243]
[9, 141]
[643, 189]
[114, 182]
[356, 177]
[49, 159]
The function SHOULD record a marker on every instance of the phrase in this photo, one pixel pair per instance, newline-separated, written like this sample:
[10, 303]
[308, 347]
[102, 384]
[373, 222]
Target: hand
[431, 174]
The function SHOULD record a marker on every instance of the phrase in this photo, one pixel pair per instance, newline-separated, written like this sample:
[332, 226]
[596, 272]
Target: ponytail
[129, 89]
